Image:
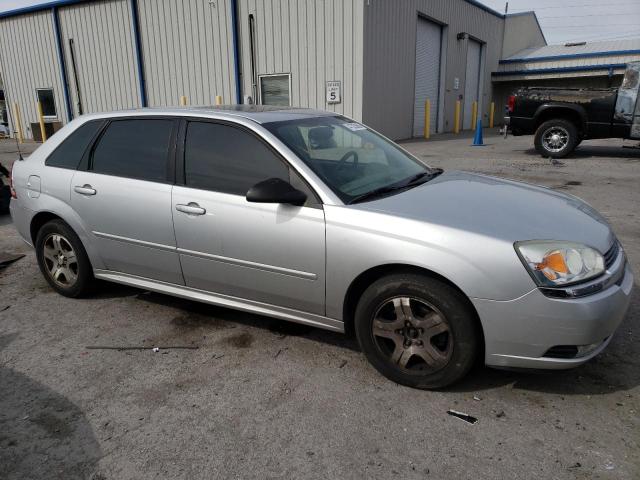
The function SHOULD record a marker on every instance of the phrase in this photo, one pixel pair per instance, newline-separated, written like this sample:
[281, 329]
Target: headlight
[555, 263]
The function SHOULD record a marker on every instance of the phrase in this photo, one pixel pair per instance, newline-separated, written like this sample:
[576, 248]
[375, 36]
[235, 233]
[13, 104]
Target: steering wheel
[343, 161]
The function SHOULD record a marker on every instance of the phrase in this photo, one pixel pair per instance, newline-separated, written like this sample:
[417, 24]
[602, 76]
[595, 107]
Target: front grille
[611, 254]
[562, 351]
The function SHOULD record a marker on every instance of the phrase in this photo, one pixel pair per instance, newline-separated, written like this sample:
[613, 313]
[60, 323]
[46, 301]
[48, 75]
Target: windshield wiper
[422, 177]
[410, 182]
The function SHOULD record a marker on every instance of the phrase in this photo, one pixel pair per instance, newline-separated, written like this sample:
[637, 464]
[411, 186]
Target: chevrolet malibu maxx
[310, 217]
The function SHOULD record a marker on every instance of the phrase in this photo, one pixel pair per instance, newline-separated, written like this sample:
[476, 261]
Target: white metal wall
[29, 60]
[187, 49]
[428, 49]
[471, 82]
[313, 40]
[105, 55]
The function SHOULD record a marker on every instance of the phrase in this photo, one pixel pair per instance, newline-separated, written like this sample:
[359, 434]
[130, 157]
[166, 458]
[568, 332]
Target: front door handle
[191, 208]
[86, 189]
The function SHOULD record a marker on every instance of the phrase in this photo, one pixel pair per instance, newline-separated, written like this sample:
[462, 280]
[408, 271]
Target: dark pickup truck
[562, 117]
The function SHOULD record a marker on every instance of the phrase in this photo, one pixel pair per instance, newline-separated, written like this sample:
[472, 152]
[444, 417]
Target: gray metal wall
[187, 49]
[105, 55]
[389, 58]
[29, 60]
[314, 40]
[521, 31]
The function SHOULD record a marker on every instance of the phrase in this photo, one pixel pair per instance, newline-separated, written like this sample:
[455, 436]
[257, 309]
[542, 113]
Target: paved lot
[266, 399]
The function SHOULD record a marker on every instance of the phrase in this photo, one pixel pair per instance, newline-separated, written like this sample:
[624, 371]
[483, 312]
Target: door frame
[179, 163]
[440, 112]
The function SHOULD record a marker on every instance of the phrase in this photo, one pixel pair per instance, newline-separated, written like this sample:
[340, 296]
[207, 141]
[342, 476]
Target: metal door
[130, 222]
[428, 52]
[269, 253]
[471, 82]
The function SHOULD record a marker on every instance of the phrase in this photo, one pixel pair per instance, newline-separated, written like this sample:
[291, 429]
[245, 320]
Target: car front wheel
[417, 331]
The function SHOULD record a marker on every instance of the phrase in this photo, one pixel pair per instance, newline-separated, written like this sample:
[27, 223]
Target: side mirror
[275, 190]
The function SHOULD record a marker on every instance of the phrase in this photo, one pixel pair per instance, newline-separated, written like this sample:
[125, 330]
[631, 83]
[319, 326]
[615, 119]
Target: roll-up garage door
[428, 48]
[472, 81]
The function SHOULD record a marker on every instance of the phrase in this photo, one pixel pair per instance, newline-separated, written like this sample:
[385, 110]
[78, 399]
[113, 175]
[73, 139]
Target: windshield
[351, 159]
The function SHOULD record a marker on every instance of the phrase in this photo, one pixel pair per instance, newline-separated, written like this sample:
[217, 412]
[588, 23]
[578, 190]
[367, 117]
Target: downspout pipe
[236, 49]
[63, 66]
[138, 48]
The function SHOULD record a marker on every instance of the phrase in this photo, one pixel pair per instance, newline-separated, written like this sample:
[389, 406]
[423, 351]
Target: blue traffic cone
[477, 138]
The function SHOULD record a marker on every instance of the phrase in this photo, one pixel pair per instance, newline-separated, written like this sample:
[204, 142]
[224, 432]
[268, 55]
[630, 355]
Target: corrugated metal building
[574, 65]
[376, 61]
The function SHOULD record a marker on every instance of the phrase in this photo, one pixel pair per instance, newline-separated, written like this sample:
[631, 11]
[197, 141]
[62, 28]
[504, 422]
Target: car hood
[503, 209]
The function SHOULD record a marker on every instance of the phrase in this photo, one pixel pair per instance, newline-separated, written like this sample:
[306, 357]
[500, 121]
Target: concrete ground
[265, 399]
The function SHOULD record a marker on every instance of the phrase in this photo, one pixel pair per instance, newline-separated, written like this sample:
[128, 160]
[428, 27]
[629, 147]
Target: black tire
[567, 140]
[428, 300]
[80, 271]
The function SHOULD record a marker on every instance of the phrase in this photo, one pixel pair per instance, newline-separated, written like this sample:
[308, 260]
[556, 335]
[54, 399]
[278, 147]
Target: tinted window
[45, 97]
[134, 149]
[227, 159]
[70, 151]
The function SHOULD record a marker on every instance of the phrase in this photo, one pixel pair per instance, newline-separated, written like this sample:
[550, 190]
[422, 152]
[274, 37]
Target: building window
[45, 97]
[275, 89]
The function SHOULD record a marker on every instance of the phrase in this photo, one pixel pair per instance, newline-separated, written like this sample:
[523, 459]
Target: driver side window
[230, 160]
[226, 159]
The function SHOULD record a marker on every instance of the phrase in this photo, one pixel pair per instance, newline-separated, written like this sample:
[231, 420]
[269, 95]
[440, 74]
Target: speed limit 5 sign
[333, 92]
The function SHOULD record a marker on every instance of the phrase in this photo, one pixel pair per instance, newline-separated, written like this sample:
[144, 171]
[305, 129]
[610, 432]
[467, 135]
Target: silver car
[310, 217]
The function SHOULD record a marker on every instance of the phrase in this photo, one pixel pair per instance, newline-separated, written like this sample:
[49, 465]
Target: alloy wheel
[555, 139]
[60, 260]
[413, 335]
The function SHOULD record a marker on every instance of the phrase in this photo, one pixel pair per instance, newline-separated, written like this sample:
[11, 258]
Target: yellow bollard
[427, 118]
[18, 122]
[43, 133]
[456, 118]
[183, 100]
[474, 115]
[492, 112]
[218, 100]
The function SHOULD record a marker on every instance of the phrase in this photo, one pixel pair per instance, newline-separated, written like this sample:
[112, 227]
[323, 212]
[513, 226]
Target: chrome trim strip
[209, 256]
[246, 263]
[251, 306]
[134, 241]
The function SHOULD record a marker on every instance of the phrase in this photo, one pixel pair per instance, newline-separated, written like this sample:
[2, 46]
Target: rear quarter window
[70, 151]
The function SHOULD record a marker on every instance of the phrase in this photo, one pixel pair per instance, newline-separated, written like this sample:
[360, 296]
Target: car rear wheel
[63, 260]
[417, 331]
[556, 138]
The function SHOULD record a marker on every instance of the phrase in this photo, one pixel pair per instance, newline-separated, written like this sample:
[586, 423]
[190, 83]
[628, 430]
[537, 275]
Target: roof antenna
[20, 157]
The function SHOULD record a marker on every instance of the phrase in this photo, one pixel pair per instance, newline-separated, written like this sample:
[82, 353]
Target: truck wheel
[417, 331]
[556, 138]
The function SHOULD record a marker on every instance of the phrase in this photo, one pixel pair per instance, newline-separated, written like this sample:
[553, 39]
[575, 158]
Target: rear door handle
[191, 208]
[86, 189]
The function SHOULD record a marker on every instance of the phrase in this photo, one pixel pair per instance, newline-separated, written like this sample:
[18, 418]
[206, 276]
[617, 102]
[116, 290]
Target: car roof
[257, 113]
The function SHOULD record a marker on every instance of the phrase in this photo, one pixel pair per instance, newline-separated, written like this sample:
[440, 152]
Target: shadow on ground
[592, 151]
[614, 370]
[42, 433]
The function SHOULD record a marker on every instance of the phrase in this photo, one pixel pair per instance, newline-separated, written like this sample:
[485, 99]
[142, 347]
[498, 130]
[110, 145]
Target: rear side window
[134, 149]
[228, 160]
[70, 151]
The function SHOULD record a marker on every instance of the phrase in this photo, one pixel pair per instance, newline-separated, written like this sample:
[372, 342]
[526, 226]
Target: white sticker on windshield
[354, 127]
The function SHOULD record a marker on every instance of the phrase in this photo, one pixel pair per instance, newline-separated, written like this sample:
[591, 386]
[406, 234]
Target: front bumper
[519, 332]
